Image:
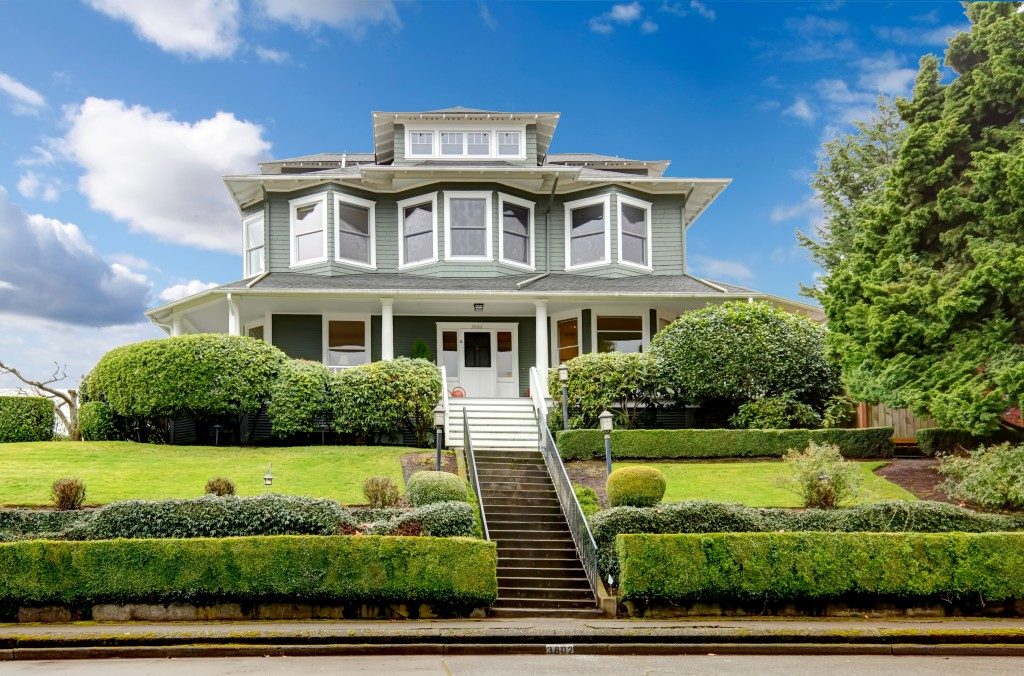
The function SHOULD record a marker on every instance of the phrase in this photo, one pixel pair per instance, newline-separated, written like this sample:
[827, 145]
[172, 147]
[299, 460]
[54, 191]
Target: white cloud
[41, 157]
[623, 14]
[351, 16]
[487, 17]
[599, 25]
[199, 28]
[132, 261]
[801, 110]
[937, 36]
[648, 27]
[808, 211]
[702, 9]
[24, 99]
[268, 55]
[816, 26]
[885, 74]
[38, 343]
[683, 9]
[162, 176]
[51, 271]
[626, 13]
[722, 268]
[179, 291]
[32, 185]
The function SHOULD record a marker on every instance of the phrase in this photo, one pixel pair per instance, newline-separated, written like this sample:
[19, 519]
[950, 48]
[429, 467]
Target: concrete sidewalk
[522, 636]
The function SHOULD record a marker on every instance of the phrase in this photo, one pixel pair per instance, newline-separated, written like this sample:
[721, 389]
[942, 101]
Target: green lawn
[125, 470]
[754, 483]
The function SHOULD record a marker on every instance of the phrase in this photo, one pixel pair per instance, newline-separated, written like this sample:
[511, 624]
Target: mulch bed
[920, 477]
[589, 473]
[417, 462]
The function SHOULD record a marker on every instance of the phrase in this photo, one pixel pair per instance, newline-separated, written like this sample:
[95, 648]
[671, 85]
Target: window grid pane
[451, 143]
[478, 143]
[421, 143]
[587, 234]
[309, 218]
[254, 233]
[468, 226]
[508, 143]
[256, 260]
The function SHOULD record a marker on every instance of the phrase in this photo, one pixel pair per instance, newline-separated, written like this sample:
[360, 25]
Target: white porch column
[387, 328]
[234, 317]
[177, 325]
[542, 342]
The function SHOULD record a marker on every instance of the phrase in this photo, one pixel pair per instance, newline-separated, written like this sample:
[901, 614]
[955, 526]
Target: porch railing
[474, 480]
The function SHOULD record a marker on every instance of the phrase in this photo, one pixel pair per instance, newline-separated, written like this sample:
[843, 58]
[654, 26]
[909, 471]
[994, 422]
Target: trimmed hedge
[938, 441]
[98, 422]
[873, 442]
[385, 398]
[298, 398]
[427, 487]
[15, 523]
[704, 516]
[26, 419]
[793, 567]
[639, 486]
[454, 572]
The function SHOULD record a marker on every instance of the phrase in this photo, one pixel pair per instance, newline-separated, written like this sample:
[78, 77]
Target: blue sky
[118, 116]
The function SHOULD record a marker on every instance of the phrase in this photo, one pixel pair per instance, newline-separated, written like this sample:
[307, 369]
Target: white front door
[480, 358]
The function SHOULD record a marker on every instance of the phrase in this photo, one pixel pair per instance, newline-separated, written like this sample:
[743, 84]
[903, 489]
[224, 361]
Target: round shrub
[68, 493]
[777, 413]
[627, 383]
[426, 488]
[298, 397]
[381, 491]
[742, 351]
[201, 376]
[640, 486]
[220, 486]
[386, 397]
[26, 419]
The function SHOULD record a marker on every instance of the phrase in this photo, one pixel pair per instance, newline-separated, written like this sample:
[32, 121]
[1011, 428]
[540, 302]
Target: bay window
[634, 232]
[417, 225]
[587, 232]
[515, 241]
[354, 231]
[467, 225]
[308, 230]
[255, 249]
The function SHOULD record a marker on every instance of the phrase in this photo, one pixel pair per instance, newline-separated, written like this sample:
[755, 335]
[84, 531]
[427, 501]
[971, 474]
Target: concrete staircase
[497, 424]
[539, 571]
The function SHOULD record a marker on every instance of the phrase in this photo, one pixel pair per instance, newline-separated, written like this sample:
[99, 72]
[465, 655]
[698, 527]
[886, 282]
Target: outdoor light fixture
[439, 427]
[563, 377]
[606, 419]
[478, 307]
[216, 435]
[268, 478]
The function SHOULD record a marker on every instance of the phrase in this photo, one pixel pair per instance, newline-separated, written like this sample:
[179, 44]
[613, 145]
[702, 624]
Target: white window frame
[293, 206]
[402, 205]
[326, 320]
[621, 311]
[648, 209]
[246, 249]
[553, 320]
[371, 207]
[606, 201]
[485, 195]
[465, 129]
[502, 198]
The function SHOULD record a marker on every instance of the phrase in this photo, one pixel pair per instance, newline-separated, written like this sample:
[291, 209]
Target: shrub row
[793, 567]
[26, 419]
[366, 569]
[212, 516]
[873, 442]
[701, 516]
[939, 441]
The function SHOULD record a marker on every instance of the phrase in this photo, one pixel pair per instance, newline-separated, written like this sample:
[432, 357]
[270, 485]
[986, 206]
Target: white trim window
[355, 226]
[346, 340]
[417, 229]
[510, 144]
[588, 232]
[478, 143]
[467, 225]
[515, 237]
[453, 143]
[308, 221]
[634, 232]
[254, 241]
[620, 333]
[421, 143]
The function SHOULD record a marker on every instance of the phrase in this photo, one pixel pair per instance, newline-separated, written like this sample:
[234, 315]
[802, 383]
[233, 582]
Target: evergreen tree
[926, 309]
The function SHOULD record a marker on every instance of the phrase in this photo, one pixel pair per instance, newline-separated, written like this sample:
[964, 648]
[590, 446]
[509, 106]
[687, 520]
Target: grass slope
[754, 483]
[124, 470]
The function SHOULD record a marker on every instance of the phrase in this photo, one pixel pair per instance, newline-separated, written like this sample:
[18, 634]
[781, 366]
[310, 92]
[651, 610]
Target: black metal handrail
[586, 546]
[474, 480]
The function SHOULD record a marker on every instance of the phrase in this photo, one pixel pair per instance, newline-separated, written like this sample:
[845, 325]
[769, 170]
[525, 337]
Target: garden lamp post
[268, 478]
[563, 377]
[606, 419]
[439, 428]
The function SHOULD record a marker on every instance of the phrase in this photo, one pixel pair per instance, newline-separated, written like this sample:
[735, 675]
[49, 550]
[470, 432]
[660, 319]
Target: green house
[463, 231]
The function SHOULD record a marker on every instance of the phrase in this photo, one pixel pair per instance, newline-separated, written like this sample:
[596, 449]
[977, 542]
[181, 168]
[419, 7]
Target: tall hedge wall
[793, 567]
[26, 419]
[457, 572]
[873, 442]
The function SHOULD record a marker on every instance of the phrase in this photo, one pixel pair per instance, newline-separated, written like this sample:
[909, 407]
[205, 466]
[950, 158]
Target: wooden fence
[904, 423]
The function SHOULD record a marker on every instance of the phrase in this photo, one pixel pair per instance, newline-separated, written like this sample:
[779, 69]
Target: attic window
[465, 142]
[421, 143]
[508, 143]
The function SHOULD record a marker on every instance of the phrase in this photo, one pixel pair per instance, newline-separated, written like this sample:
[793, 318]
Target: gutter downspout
[547, 241]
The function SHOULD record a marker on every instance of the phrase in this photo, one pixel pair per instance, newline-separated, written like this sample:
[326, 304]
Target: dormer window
[255, 251]
[469, 141]
[308, 230]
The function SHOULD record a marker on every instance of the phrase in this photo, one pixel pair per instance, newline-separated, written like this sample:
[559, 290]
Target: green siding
[399, 143]
[408, 329]
[299, 336]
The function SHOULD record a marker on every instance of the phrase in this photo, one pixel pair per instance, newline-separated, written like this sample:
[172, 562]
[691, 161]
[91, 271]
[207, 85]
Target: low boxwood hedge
[939, 441]
[26, 419]
[795, 567]
[873, 442]
[338, 569]
[705, 516]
